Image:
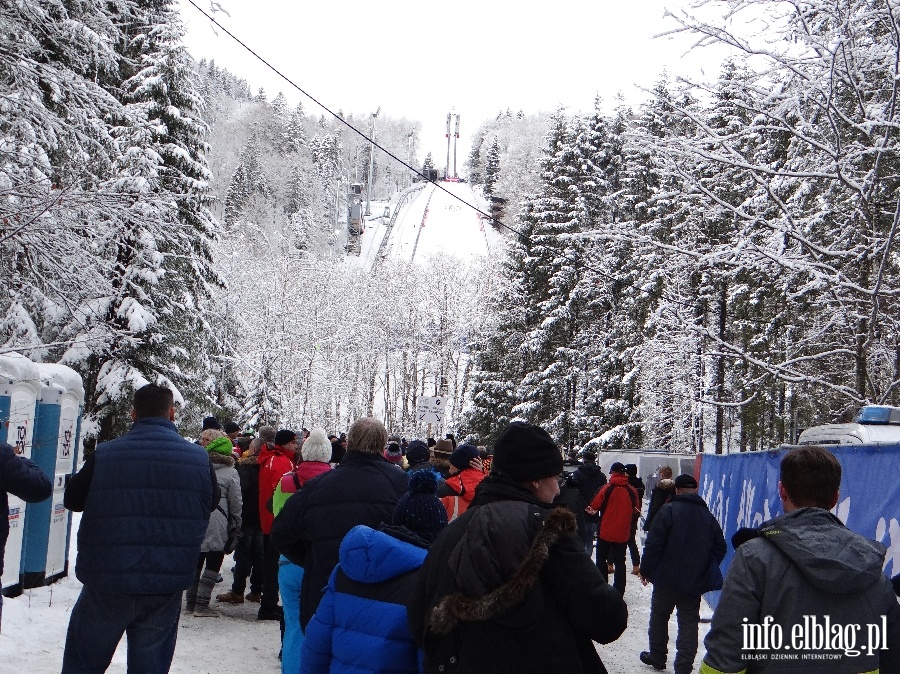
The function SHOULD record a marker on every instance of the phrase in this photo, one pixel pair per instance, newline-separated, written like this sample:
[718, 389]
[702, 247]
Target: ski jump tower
[454, 137]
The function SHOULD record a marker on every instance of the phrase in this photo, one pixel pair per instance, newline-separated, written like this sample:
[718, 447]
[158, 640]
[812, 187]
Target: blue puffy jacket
[146, 512]
[360, 625]
[20, 477]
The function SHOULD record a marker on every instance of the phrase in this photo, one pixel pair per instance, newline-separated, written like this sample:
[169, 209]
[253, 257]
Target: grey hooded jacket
[226, 518]
[805, 565]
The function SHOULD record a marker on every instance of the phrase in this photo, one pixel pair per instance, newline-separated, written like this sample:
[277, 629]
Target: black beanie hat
[231, 427]
[417, 452]
[631, 469]
[462, 455]
[284, 436]
[617, 467]
[526, 452]
[419, 510]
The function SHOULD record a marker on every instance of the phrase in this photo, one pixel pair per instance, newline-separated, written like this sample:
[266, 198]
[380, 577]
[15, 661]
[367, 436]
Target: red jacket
[274, 461]
[462, 485]
[617, 508]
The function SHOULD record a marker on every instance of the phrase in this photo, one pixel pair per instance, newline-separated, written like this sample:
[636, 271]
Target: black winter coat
[684, 548]
[362, 489]
[638, 485]
[248, 472]
[20, 477]
[507, 587]
[570, 496]
[590, 478]
[662, 493]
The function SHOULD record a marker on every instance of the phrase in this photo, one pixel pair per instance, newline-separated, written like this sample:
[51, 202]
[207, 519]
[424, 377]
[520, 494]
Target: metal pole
[455, 141]
[409, 160]
[447, 165]
[371, 163]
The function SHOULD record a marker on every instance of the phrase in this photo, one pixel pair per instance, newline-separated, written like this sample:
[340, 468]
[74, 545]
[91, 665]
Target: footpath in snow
[33, 633]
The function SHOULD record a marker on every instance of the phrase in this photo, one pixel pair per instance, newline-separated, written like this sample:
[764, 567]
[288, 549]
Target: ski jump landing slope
[431, 223]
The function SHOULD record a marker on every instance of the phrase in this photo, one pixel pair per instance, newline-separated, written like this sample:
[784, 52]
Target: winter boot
[253, 596]
[648, 660]
[231, 597]
[190, 595]
[207, 583]
[636, 571]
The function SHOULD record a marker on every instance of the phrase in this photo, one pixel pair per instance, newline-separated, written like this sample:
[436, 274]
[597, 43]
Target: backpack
[635, 510]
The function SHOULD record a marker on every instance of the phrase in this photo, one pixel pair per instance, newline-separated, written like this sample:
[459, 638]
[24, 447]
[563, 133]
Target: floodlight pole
[371, 163]
[409, 138]
[455, 141]
[447, 165]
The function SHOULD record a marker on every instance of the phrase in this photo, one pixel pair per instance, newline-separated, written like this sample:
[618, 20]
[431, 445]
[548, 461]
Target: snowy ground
[34, 630]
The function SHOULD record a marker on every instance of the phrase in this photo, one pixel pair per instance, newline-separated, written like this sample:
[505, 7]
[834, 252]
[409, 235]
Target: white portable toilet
[19, 385]
[56, 429]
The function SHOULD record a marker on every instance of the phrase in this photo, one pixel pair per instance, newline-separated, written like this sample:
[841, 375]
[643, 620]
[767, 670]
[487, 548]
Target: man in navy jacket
[363, 489]
[682, 554]
[20, 477]
[146, 497]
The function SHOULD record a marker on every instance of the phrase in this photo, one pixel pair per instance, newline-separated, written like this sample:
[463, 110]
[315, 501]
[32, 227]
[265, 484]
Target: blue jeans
[290, 577]
[99, 619]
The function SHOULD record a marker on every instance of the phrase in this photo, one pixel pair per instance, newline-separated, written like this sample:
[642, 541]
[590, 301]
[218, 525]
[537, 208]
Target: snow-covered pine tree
[428, 164]
[501, 357]
[651, 206]
[57, 152]
[549, 390]
[612, 308]
[295, 133]
[248, 183]
[492, 167]
[152, 324]
[475, 163]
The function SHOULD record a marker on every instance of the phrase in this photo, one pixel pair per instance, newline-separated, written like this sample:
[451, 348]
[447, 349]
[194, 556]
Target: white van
[874, 425]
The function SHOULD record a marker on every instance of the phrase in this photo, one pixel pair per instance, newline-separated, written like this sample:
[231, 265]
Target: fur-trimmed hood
[666, 484]
[221, 460]
[465, 560]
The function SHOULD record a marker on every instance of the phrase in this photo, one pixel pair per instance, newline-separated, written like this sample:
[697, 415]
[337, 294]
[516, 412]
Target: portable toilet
[19, 385]
[56, 429]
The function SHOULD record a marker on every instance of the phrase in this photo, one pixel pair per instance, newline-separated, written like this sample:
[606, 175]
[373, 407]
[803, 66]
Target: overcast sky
[421, 59]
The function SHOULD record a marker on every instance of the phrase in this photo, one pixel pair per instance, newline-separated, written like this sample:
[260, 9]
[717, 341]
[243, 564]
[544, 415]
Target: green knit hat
[220, 446]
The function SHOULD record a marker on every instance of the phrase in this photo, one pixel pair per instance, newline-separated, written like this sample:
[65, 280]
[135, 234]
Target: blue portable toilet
[19, 384]
[56, 428]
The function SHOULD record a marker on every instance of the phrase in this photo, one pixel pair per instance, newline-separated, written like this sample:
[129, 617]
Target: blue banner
[742, 491]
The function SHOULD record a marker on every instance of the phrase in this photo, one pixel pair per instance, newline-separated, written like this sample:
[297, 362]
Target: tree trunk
[720, 373]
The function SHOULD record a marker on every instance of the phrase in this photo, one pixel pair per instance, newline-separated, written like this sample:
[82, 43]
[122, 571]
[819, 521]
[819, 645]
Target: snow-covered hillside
[435, 220]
